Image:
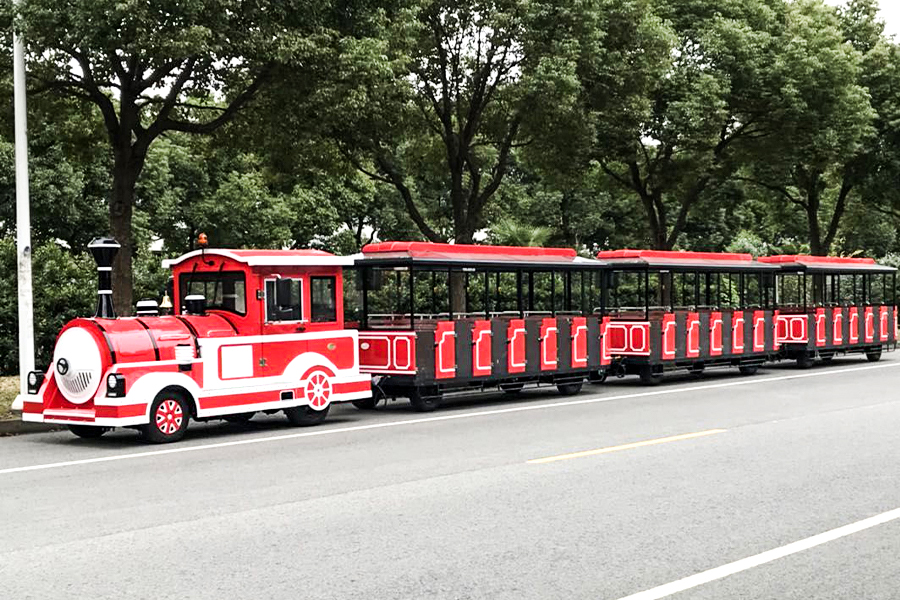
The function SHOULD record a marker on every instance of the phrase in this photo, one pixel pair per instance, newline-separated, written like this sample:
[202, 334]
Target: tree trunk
[121, 211]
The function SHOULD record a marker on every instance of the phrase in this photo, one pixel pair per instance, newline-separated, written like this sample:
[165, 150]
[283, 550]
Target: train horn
[104, 250]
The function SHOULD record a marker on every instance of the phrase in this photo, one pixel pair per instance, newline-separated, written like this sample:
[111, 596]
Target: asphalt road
[400, 505]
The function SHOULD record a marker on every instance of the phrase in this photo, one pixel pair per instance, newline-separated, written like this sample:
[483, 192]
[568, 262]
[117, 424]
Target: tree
[154, 67]
[712, 94]
[825, 121]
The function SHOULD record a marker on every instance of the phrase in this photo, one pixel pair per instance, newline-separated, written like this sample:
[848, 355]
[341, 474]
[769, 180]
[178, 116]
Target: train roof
[804, 262]
[672, 259]
[473, 255]
[269, 258]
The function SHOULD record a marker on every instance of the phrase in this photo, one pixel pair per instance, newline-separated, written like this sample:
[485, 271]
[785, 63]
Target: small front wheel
[873, 355]
[649, 376]
[169, 417]
[804, 361]
[748, 369]
[569, 389]
[305, 416]
[424, 400]
[88, 432]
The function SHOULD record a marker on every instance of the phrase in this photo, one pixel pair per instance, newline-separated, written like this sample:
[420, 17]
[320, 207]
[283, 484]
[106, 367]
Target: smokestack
[104, 251]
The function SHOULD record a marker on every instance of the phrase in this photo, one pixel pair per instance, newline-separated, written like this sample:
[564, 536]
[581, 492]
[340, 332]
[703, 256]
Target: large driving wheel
[304, 416]
[169, 418]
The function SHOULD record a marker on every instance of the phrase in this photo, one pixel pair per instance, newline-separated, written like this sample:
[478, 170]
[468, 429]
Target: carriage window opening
[284, 300]
[876, 288]
[789, 290]
[595, 292]
[846, 291]
[540, 293]
[684, 290]
[729, 286]
[753, 291]
[431, 294]
[476, 303]
[323, 299]
[353, 305]
[627, 292]
[388, 298]
[655, 291]
[503, 292]
[223, 290]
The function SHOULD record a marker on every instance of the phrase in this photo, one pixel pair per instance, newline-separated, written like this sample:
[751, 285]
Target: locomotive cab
[251, 331]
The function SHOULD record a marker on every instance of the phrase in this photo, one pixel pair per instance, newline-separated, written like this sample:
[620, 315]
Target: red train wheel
[169, 417]
[318, 390]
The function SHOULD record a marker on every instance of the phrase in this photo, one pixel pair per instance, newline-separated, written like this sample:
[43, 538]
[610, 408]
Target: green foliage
[65, 287]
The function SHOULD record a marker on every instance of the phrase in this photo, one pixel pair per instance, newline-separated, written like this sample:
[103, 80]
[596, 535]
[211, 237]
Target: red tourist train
[294, 331]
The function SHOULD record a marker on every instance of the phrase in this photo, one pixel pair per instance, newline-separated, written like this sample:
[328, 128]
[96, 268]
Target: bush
[64, 288]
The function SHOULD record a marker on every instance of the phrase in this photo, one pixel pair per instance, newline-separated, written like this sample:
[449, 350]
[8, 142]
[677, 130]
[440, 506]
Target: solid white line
[435, 419]
[768, 556]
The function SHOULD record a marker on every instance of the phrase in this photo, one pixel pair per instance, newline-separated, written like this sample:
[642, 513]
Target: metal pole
[23, 218]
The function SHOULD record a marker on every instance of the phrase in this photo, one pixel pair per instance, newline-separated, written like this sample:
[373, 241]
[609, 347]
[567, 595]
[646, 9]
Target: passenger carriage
[439, 318]
[833, 305]
[252, 330]
[687, 310]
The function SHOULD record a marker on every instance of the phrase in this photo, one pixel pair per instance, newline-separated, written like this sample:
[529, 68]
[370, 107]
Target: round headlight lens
[32, 379]
[112, 381]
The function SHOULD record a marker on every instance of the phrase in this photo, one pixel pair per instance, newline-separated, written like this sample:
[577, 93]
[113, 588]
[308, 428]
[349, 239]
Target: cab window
[284, 300]
[223, 290]
[323, 301]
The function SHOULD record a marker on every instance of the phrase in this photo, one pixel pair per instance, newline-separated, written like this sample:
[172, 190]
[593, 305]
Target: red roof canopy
[269, 258]
[434, 250]
[674, 255]
[805, 259]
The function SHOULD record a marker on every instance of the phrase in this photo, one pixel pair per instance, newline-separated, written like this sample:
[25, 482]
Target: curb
[18, 426]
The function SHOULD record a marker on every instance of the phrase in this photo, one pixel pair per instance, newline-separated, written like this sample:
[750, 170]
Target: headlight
[35, 379]
[115, 385]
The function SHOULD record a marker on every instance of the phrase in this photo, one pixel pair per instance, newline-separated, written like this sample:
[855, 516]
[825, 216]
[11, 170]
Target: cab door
[283, 318]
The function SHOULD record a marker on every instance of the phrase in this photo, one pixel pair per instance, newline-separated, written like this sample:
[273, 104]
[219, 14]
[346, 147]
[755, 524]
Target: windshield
[223, 290]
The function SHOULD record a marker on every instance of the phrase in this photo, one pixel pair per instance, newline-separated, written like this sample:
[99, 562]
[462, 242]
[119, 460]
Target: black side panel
[891, 333]
[593, 345]
[876, 313]
[811, 330]
[726, 332]
[770, 332]
[845, 326]
[425, 356]
[499, 347]
[655, 340]
[704, 335]
[829, 328]
[861, 324]
[564, 344]
[748, 332]
[463, 349]
[680, 335]
[532, 346]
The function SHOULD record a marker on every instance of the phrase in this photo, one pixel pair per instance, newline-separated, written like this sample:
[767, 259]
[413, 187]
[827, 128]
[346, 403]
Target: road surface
[722, 486]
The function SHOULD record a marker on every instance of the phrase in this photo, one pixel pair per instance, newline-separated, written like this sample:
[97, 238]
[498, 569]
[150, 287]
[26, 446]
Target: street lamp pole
[23, 217]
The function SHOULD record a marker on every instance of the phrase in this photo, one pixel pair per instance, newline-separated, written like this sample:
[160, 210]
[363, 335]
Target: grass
[9, 388]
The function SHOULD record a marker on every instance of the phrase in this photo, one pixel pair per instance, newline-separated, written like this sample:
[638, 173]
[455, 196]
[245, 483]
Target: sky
[890, 13]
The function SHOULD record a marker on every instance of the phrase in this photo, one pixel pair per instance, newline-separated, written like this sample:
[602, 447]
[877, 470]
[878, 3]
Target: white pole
[23, 218]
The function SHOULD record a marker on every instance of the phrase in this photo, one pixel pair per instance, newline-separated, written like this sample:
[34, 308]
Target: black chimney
[104, 251]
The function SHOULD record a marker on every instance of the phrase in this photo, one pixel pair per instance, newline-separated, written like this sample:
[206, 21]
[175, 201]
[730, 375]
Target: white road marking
[620, 447]
[768, 556]
[435, 419]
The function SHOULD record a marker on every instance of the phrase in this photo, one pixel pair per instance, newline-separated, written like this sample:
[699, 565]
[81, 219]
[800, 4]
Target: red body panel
[883, 332]
[759, 331]
[579, 350]
[853, 319]
[737, 332]
[870, 325]
[387, 351]
[715, 334]
[692, 323]
[481, 349]
[821, 329]
[605, 356]
[549, 344]
[791, 329]
[668, 337]
[837, 326]
[445, 350]
[628, 338]
[515, 338]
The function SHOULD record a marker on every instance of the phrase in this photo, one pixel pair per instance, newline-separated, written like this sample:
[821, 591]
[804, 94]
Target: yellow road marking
[653, 442]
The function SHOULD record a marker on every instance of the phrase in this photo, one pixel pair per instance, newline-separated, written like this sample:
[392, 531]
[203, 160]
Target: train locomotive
[294, 331]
